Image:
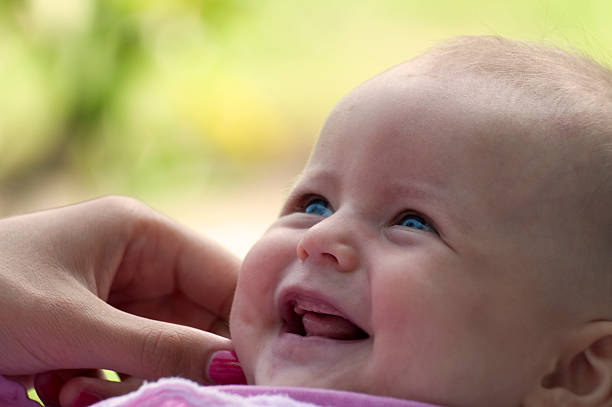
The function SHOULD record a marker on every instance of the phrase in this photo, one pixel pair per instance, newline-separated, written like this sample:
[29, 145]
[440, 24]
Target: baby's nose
[329, 242]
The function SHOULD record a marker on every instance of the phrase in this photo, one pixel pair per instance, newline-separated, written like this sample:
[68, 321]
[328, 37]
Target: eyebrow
[291, 184]
[400, 188]
[411, 189]
[316, 176]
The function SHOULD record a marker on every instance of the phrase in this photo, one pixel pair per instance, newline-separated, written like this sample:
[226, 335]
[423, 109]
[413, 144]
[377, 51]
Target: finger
[48, 385]
[92, 389]
[178, 310]
[146, 348]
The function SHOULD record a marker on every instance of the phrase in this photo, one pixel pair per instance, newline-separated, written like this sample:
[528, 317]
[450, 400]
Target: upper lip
[295, 300]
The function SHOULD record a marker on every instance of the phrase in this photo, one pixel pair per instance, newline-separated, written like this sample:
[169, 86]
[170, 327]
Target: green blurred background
[207, 109]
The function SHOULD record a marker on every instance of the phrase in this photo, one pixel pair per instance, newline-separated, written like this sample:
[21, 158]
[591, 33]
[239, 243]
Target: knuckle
[163, 354]
[129, 213]
[122, 205]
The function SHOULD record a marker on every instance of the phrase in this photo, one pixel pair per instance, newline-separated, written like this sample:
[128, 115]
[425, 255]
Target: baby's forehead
[419, 102]
[449, 128]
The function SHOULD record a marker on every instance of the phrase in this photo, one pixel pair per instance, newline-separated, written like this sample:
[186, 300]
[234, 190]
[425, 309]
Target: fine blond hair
[572, 88]
[541, 70]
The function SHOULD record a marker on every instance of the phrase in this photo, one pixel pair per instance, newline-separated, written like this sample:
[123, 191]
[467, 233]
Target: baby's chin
[344, 381]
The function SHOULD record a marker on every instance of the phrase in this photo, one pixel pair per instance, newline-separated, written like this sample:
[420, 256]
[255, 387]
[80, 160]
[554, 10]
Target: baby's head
[450, 239]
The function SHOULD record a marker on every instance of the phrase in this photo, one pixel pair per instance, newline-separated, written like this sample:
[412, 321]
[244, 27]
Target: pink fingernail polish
[86, 399]
[224, 368]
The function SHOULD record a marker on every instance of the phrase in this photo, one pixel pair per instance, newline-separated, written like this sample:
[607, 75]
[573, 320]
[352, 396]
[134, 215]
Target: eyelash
[428, 225]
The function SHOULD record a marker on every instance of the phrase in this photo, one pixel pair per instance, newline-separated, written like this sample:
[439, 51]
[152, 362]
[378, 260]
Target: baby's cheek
[266, 263]
[252, 300]
[253, 311]
[255, 321]
[248, 321]
[260, 274]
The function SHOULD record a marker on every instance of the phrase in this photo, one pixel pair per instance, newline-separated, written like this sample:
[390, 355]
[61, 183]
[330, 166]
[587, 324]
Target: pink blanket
[175, 392]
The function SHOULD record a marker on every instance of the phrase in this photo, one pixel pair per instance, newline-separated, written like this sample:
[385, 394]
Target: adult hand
[112, 284]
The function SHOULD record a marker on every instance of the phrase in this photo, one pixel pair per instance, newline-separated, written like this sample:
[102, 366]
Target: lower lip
[297, 347]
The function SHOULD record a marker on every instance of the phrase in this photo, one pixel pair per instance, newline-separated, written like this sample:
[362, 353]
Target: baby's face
[412, 257]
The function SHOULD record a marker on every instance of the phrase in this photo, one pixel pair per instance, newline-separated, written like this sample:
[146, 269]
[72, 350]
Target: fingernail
[224, 368]
[86, 399]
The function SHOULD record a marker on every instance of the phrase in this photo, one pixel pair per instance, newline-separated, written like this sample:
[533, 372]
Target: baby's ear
[583, 375]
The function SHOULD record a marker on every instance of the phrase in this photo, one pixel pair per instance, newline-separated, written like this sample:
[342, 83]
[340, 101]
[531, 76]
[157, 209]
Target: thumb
[151, 349]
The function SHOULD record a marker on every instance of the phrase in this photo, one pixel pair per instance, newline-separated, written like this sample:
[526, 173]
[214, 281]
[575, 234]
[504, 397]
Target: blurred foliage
[139, 95]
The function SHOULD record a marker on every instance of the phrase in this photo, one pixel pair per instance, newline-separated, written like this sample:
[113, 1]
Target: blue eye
[319, 207]
[413, 221]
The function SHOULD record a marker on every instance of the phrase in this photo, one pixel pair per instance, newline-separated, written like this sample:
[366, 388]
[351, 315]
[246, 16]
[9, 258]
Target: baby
[450, 239]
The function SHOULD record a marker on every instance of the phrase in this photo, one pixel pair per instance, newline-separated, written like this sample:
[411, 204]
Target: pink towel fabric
[176, 392]
[14, 395]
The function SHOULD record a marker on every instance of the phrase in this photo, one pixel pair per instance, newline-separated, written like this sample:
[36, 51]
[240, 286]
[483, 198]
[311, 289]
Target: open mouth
[306, 318]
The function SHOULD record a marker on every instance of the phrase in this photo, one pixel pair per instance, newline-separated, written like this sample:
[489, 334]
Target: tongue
[330, 326]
